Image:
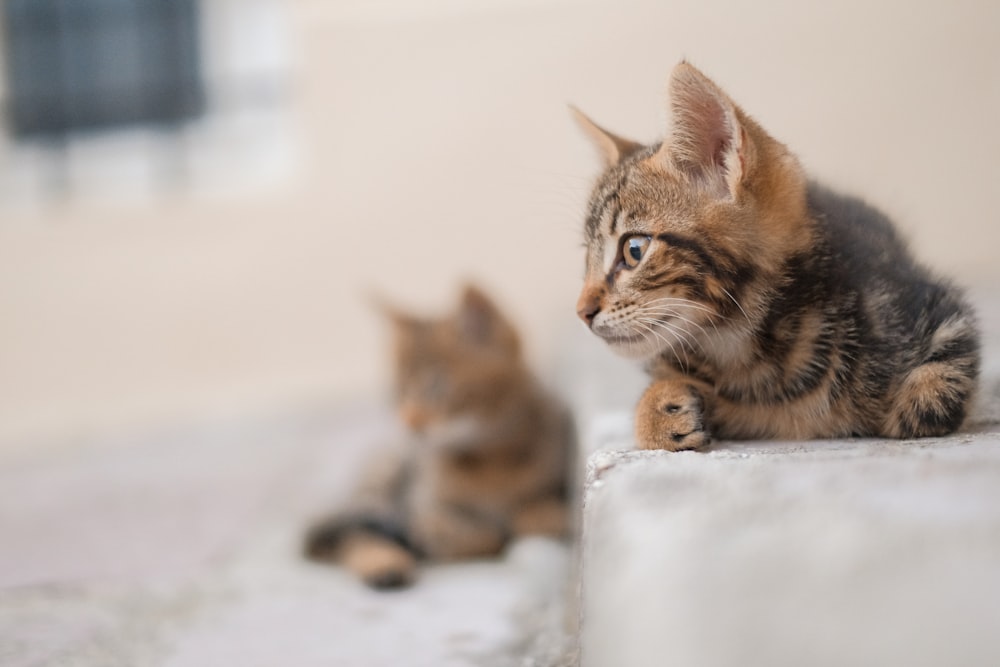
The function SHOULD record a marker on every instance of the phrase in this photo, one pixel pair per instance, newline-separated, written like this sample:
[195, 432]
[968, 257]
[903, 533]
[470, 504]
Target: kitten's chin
[635, 348]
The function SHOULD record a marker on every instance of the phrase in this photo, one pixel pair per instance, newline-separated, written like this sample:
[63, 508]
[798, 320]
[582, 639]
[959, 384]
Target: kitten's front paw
[671, 416]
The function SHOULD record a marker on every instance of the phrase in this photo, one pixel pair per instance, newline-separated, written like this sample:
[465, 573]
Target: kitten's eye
[633, 250]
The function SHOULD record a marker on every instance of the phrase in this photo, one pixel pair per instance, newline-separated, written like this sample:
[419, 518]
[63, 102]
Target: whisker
[686, 347]
[733, 299]
[663, 302]
[684, 337]
[646, 328]
[672, 348]
[686, 302]
[677, 332]
[673, 313]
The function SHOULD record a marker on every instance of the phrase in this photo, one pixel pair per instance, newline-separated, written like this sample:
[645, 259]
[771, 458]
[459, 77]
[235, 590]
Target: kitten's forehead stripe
[618, 192]
[617, 211]
[605, 199]
[607, 196]
[608, 255]
[615, 217]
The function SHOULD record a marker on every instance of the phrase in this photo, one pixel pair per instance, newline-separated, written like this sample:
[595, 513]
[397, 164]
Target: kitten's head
[456, 370]
[683, 237]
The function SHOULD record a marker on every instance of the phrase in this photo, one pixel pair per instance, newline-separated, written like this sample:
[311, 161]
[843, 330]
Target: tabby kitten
[486, 459]
[764, 305]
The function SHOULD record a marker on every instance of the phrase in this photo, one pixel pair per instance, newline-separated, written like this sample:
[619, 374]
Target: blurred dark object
[91, 64]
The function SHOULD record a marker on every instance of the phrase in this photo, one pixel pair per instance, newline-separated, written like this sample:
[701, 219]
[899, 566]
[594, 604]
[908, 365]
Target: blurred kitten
[487, 456]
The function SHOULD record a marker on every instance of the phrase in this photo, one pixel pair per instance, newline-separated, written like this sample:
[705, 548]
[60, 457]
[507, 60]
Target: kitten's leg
[374, 549]
[548, 516]
[934, 397]
[381, 563]
[454, 533]
[370, 536]
[671, 416]
[932, 400]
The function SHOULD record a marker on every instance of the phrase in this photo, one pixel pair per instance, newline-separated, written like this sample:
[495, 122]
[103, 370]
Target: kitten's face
[681, 236]
[649, 281]
[454, 374]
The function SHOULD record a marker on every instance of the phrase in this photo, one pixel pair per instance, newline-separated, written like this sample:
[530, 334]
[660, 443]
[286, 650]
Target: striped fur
[763, 304]
[486, 457]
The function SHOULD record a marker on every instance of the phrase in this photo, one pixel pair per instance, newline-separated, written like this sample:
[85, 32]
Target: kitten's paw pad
[670, 416]
[680, 441]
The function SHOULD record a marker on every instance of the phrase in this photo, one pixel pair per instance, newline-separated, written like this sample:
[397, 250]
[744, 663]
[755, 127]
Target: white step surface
[863, 552]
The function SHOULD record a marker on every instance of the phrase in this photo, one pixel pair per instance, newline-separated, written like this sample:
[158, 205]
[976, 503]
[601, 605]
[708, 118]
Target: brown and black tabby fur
[764, 305]
[486, 459]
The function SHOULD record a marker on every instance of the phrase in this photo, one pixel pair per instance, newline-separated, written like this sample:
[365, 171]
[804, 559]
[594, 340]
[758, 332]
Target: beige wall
[435, 144]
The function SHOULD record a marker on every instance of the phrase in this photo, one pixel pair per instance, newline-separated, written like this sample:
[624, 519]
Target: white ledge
[821, 553]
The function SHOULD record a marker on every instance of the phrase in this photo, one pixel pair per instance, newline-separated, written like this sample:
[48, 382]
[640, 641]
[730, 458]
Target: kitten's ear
[401, 320]
[613, 149]
[707, 139]
[481, 322]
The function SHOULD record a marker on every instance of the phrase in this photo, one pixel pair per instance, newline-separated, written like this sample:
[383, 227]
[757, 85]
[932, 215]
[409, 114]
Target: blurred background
[195, 196]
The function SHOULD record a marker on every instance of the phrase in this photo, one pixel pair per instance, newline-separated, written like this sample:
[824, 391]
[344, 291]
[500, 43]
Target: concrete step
[861, 552]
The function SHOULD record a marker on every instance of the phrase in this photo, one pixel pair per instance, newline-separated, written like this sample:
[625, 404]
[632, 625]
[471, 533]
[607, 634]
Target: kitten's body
[763, 304]
[486, 458]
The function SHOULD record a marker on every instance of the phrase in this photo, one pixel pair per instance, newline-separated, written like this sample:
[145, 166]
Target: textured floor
[182, 550]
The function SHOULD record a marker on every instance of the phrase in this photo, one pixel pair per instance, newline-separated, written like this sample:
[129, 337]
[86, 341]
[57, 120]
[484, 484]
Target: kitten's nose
[589, 304]
[415, 418]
